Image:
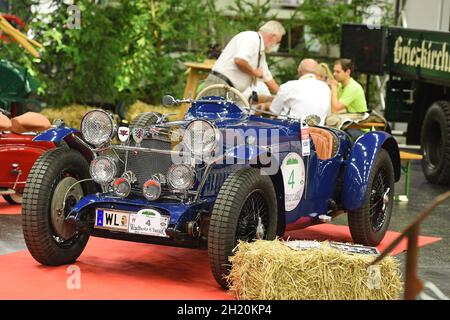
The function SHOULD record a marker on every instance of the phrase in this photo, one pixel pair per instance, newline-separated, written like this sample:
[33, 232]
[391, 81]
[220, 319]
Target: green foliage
[248, 15]
[124, 50]
[135, 49]
[325, 18]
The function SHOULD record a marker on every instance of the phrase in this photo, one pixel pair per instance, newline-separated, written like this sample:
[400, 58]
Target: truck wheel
[49, 238]
[245, 209]
[368, 225]
[144, 119]
[435, 143]
[13, 198]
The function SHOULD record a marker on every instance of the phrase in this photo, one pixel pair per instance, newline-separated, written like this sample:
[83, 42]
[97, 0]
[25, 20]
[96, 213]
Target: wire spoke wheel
[253, 209]
[368, 225]
[379, 200]
[245, 209]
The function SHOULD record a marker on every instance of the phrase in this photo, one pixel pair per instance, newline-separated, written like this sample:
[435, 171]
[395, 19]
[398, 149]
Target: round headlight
[97, 127]
[201, 137]
[103, 170]
[180, 177]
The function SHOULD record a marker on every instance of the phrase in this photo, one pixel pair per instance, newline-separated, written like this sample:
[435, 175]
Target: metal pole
[368, 89]
[397, 12]
[413, 285]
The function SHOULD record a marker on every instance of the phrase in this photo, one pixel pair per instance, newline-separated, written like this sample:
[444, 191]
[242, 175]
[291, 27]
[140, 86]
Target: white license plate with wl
[146, 222]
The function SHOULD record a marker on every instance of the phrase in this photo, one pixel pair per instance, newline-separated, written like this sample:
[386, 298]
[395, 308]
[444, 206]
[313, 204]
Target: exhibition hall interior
[228, 150]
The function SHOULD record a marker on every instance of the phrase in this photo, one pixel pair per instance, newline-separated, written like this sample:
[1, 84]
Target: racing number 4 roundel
[293, 170]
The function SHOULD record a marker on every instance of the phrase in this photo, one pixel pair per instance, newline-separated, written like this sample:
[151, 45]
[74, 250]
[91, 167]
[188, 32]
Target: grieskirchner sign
[421, 53]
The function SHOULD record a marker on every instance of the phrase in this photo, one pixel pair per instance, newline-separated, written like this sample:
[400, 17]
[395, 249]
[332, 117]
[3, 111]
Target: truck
[416, 63]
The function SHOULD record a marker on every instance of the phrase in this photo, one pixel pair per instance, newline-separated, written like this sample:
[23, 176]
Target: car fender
[359, 164]
[71, 136]
[55, 134]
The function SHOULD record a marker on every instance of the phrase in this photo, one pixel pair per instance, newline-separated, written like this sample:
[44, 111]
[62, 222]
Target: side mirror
[312, 120]
[168, 100]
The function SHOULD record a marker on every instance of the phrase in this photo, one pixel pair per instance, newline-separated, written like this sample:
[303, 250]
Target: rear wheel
[435, 143]
[245, 209]
[49, 195]
[368, 225]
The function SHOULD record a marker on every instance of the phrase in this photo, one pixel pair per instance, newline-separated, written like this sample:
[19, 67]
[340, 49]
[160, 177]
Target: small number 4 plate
[146, 222]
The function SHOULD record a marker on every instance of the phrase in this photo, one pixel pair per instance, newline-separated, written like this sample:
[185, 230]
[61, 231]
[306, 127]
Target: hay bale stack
[139, 107]
[71, 114]
[270, 270]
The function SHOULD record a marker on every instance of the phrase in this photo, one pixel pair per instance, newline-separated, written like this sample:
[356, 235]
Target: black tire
[13, 200]
[44, 244]
[228, 219]
[435, 141]
[369, 224]
[144, 119]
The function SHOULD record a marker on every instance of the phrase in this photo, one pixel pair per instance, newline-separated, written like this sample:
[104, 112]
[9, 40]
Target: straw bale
[270, 270]
[139, 107]
[71, 114]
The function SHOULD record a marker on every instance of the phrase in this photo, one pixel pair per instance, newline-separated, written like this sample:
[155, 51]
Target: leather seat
[323, 141]
[5, 123]
[30, 122]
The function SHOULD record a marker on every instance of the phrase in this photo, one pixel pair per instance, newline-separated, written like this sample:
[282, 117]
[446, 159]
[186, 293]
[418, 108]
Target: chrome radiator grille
[144, 164]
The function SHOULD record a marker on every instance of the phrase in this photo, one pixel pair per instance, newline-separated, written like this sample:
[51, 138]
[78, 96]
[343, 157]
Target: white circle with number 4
[293, 170]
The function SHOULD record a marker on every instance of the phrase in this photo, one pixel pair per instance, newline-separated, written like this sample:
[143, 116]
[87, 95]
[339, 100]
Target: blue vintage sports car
[221, 175]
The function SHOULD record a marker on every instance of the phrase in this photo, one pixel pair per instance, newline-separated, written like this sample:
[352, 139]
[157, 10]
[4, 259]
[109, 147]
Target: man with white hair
[243, 61]
[305, 96]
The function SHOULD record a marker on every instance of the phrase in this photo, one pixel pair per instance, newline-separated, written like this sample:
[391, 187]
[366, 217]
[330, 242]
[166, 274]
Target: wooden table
[367, 125]
[197, 72]
[406, 158]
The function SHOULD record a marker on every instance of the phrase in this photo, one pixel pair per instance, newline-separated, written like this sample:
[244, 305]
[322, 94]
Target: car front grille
[144, 164]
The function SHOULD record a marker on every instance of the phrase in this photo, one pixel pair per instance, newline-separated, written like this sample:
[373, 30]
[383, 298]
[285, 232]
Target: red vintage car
[18, 151]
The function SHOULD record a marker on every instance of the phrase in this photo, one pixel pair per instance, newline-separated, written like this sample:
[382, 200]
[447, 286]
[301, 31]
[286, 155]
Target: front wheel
[368, 225]
[50, 193]
[245, 209]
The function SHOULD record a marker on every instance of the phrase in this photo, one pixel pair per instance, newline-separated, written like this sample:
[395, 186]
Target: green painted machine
[17, 86]
[418, 89]
[17, 89]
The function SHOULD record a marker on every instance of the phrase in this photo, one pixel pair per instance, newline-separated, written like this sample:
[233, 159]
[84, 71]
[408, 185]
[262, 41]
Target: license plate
[145, 222]
[112, 220]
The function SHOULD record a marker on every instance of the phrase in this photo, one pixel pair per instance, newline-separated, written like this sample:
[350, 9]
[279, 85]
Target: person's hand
[334, 84]
[258, 73]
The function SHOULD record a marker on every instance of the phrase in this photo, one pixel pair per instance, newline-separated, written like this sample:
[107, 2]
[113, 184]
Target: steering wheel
[226, 88]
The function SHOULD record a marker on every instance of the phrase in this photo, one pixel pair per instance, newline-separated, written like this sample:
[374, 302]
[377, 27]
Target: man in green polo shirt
[347, 95]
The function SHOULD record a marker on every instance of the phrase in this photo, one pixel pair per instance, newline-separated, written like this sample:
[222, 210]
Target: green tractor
[17, 89]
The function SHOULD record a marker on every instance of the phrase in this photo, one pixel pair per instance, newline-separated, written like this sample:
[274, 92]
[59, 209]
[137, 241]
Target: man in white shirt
[305, 96]
[243, 60]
